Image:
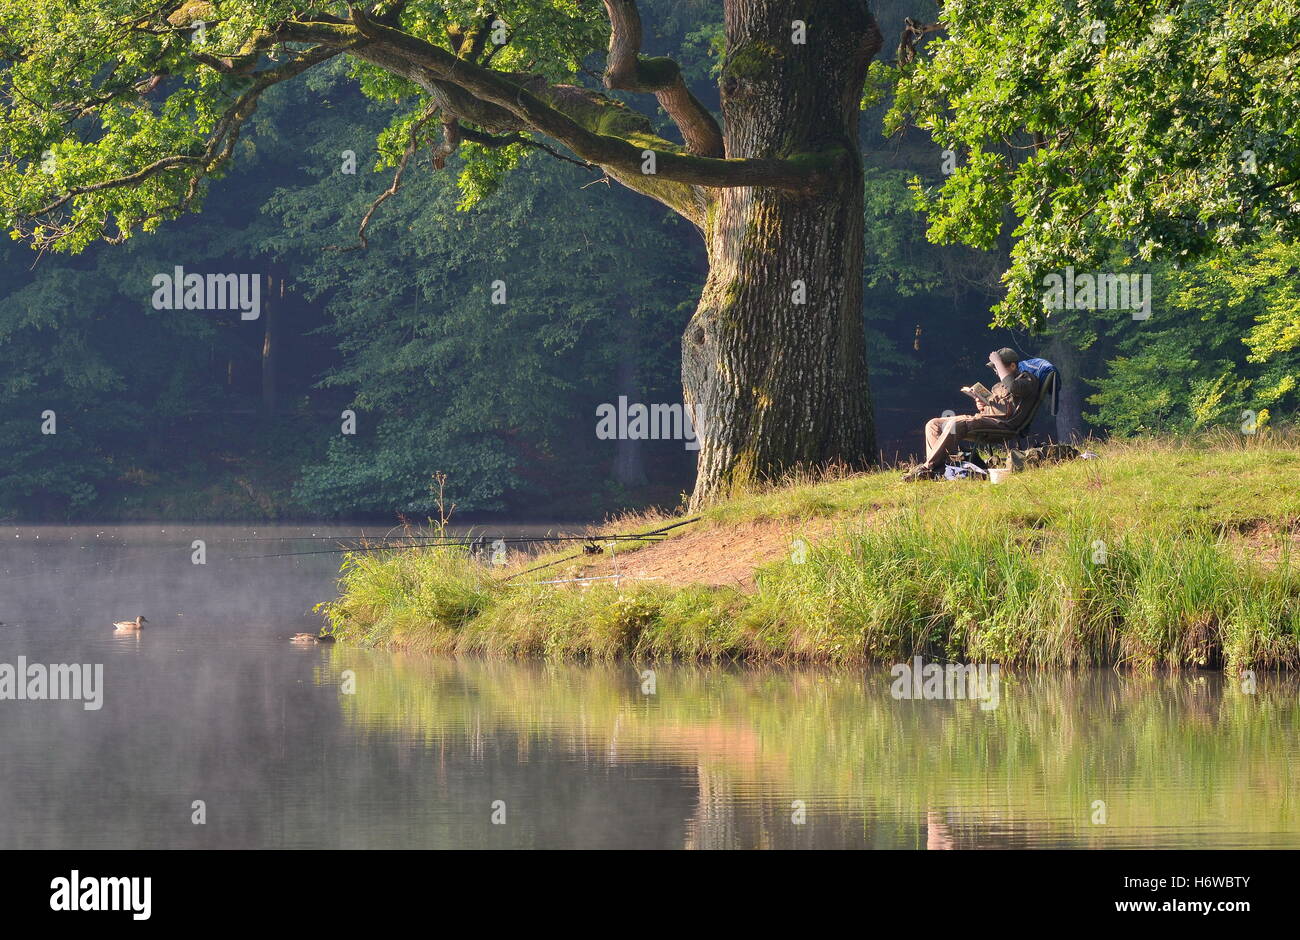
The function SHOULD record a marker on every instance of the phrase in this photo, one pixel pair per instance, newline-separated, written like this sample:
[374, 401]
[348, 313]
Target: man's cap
[1008, 356]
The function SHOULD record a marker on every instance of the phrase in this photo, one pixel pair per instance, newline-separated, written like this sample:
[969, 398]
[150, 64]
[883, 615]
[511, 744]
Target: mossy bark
[773, 361]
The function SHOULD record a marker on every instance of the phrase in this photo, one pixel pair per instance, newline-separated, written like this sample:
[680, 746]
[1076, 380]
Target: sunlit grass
[1138, 558]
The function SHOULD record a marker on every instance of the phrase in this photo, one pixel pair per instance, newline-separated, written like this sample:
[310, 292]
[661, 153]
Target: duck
[130, 624]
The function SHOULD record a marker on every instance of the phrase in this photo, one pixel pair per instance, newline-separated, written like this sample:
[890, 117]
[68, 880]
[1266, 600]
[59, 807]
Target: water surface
[210, 702]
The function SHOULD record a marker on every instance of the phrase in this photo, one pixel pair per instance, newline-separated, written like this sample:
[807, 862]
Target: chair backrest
[1045, 388]
[1047, 392]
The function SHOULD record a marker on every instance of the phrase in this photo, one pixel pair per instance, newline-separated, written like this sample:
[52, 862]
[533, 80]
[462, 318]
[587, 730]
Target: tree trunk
[270, 347]
[773, 360]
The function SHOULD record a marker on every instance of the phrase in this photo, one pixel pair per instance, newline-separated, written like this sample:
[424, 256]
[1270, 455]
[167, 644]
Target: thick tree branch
[468, 43]
[914, 32]
[452, 134]
[628, 71]
[505, 140]
[595, 128]
[571, 116]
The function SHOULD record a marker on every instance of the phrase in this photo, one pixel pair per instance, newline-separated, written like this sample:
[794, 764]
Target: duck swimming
[130, 624]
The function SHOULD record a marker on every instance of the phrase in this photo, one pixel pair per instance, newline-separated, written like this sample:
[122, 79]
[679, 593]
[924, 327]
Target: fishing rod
[463, 538]
[390, 538]
[560, 561]
[446, 539]
[399, 548]
[652, 536]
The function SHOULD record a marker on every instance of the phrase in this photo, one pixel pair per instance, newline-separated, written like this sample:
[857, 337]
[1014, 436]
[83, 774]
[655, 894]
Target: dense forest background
[183, 414]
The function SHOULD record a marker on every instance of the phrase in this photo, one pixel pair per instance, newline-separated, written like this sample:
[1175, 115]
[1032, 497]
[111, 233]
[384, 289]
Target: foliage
[81, 110]
[1165, 129]
[447, 380]
[1221, 349]
[79, 342]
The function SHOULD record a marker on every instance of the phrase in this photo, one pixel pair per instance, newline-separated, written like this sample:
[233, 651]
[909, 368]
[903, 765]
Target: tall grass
[415, 598]
[982, 592]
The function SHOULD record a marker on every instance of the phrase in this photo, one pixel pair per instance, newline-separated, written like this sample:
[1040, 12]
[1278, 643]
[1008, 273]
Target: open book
[982, 394]
[977, 391]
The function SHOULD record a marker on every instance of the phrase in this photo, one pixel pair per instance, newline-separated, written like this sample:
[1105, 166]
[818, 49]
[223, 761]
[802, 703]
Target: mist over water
[210, 702]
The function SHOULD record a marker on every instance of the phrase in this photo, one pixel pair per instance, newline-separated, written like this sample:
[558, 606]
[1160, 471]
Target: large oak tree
[116, 112]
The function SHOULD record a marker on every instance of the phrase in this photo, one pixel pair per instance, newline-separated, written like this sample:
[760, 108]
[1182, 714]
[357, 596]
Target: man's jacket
[1011, 398]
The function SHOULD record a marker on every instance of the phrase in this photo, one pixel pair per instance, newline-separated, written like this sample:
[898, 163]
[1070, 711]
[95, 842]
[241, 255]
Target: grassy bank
[1173, 553]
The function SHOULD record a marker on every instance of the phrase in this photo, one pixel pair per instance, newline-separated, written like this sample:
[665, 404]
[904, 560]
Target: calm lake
[211, 703]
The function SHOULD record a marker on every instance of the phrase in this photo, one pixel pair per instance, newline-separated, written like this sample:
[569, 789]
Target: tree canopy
[1169, 129]
[116, 113]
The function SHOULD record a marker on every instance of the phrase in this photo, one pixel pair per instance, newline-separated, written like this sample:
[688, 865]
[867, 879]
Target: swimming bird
[130, 624]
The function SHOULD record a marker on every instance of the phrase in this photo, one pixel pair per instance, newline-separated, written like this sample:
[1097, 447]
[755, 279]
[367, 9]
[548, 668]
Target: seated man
[1009, 399]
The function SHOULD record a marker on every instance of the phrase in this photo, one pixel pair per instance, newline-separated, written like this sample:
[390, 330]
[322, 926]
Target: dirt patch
[1265, 543]
[716, 557]
[728, 555]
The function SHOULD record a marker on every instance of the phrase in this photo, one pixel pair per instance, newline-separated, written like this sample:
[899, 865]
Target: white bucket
[998, 475]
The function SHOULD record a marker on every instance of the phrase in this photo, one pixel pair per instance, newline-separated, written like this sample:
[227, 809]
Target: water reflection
[214, 705]
[1177, 761]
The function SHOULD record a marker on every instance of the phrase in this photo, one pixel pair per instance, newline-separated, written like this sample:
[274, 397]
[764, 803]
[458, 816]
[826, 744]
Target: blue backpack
[1041, 369]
